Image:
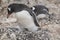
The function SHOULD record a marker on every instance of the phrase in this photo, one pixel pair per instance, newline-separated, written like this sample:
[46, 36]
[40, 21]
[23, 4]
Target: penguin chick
[40, 10]
[25, 16]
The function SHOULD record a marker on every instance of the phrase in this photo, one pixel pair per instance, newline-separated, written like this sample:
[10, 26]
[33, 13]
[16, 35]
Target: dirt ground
[9, 29]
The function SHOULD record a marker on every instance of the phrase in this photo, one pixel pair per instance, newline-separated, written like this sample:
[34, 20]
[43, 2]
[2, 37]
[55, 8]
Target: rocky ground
[9, 30]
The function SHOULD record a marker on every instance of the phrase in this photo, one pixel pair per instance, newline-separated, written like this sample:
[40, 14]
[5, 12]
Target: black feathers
[16, 7]
[40, 9]
[19, 7]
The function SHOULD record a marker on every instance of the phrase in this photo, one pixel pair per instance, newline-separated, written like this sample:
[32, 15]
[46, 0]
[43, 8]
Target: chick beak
[8, 15]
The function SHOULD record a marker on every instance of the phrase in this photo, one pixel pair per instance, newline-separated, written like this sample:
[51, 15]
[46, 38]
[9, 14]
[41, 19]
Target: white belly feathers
[26, 20]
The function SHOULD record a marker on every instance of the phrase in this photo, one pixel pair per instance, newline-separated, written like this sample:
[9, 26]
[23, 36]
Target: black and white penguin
[40, 10]
[25, 16]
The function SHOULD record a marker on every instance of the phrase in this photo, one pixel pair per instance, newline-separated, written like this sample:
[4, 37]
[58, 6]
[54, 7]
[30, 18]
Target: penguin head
[40, 9]
[12, 8]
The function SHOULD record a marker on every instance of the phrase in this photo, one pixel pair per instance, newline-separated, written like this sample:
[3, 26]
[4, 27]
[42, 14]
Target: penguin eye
[9, 9]
[33, 8]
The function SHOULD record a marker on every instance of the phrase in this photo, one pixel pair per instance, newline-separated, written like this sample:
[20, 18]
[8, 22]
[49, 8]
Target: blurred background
[54, 8]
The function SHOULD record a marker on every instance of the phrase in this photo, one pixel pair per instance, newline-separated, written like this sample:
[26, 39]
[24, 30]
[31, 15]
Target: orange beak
[8, 15]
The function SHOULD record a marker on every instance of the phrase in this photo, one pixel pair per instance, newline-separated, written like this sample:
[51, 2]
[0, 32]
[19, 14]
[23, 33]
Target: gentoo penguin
[25, 16]
[40, 10]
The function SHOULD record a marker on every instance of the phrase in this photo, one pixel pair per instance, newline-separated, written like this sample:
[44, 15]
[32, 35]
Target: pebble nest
[15, 34]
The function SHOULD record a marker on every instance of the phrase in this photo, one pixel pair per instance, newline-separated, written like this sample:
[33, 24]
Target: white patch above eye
[33, 8]
[9, 9]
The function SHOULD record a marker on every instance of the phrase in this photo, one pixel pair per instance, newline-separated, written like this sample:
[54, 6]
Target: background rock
[53, 26]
